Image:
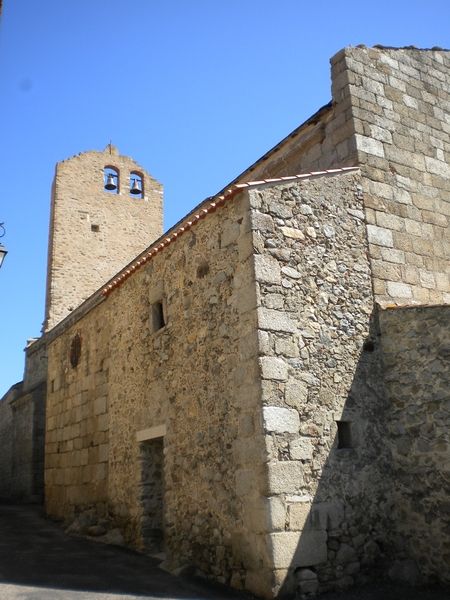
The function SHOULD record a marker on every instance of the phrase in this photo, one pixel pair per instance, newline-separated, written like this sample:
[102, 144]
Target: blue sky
[194, 90]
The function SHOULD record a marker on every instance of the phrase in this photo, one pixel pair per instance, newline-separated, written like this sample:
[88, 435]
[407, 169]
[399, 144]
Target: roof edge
[200, 212]
[312, 120]
[206, 207]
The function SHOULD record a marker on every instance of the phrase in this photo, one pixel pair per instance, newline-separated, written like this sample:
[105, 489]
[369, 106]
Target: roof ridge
[210, 205]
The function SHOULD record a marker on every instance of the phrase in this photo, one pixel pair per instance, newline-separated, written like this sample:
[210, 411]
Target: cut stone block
[298, 515]
[380, 236]
[273, 368]
[298, 549]
[274, 320]
[369, 145]
[285, 477]
[399, 290]
[281, 420]
[267, 269]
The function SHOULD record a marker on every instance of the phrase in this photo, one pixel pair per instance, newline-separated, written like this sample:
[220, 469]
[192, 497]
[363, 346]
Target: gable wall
[399, 105]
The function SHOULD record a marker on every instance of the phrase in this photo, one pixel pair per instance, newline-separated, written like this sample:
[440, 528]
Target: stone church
[261, 392]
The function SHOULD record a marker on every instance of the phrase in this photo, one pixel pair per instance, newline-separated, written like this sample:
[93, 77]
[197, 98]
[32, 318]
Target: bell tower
[105, 210]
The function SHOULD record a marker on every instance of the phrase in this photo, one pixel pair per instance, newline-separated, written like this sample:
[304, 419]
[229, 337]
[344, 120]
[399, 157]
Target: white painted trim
[151, 433]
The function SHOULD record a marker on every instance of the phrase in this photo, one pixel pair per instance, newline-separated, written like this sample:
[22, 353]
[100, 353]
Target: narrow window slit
[157, 317]
[344, 434]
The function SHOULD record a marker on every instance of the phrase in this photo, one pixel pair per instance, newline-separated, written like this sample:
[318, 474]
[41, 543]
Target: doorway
[152, 494]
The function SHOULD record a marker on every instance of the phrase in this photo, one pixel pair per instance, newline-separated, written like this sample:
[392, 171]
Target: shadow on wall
[22, 431]
[378, 507]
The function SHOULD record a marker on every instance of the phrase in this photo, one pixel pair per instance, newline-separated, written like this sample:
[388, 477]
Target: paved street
[38, 561]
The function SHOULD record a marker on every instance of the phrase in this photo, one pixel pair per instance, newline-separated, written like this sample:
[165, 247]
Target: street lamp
[3, 250]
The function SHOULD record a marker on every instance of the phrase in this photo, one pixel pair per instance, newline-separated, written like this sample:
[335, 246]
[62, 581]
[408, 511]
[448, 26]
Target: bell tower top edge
[105, 210]
[111, 149]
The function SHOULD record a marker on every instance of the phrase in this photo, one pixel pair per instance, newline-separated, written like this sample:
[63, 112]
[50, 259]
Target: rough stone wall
[390, 115]
[398, 104]
[76, 441]
[22, 417]
[6, 443]
[416, 356]
[94, 233]
[22, 427]
[197, 375]
[35, 371]
[259, 492]
[319, 365]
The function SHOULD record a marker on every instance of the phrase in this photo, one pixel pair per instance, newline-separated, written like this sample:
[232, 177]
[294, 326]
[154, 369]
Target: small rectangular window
[344, 434]
[95, 228]
[158, 320]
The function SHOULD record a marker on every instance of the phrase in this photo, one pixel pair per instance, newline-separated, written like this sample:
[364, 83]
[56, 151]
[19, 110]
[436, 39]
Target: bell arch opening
[136, 184]
[111, 180]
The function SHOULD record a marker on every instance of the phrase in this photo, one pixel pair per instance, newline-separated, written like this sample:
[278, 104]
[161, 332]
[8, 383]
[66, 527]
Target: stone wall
[197, 375]
[416, 355]
[319, 365]
[28, 424]
[22, 429]
[77, 422]
[22, 425]
[250, 346]
[94, 233]
[6, 442]
[254, 484]
[35, 371]
[390, 115]
[398, 102]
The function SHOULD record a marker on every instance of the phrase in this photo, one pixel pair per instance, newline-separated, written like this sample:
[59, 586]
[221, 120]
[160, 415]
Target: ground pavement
[38, 561]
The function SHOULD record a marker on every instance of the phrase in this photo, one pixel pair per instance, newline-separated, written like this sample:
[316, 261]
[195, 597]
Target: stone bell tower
[106, 209]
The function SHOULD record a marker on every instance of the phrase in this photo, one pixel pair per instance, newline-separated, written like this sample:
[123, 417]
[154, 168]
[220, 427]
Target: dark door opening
[152, 494]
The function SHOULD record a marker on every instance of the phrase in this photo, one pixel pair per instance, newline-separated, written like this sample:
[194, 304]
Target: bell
[136, 187]
[110, 183]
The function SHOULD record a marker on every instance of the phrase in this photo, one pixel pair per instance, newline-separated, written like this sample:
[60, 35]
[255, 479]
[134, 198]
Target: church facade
[262, 393]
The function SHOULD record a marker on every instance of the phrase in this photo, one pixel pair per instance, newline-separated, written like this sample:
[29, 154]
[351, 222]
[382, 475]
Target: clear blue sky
[194, 90]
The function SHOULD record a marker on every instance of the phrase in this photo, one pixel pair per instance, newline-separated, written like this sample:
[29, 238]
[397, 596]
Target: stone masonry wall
[6, 443]
[28, 425]
[35, 371]
[197, 375]
[94, 233]
[76, 441]
[398, 102]
[416, 356]
[22, 427]
[22, 417]
[319, 365]
[390, 115]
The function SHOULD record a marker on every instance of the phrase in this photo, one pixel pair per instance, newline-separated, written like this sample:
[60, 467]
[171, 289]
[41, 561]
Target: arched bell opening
[136, 185]
[111, 180]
